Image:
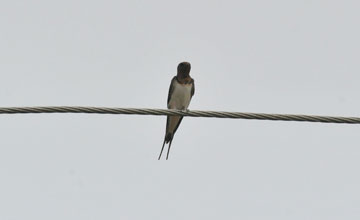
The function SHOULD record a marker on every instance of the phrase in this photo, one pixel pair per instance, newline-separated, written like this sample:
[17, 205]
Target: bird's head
[183, 69]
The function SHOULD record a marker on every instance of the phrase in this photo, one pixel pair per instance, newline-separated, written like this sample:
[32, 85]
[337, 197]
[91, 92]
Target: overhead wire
[192, 113]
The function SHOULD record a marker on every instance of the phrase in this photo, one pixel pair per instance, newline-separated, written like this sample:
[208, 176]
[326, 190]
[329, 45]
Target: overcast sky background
[298, 57]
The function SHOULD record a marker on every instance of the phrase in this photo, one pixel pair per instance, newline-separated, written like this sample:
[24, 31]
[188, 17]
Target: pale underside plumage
[180, 99]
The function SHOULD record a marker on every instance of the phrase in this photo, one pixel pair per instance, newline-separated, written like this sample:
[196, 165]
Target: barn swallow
[181, 90]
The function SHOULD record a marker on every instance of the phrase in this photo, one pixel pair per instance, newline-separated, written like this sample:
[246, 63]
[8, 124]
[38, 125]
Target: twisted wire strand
[193, 113]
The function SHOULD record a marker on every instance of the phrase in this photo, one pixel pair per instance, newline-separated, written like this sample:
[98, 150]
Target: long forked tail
[161, 150]
[168, 138]
[167, 155]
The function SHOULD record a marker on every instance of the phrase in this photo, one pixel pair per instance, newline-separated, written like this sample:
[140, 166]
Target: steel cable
[192, 113]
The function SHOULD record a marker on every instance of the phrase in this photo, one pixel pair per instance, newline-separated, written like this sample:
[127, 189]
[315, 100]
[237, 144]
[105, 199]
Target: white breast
[181, 96]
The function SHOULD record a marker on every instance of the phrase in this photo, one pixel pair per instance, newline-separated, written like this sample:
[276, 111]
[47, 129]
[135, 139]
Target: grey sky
[252, 56]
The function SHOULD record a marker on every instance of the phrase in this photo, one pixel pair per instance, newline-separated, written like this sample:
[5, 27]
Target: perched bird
[181, 90]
